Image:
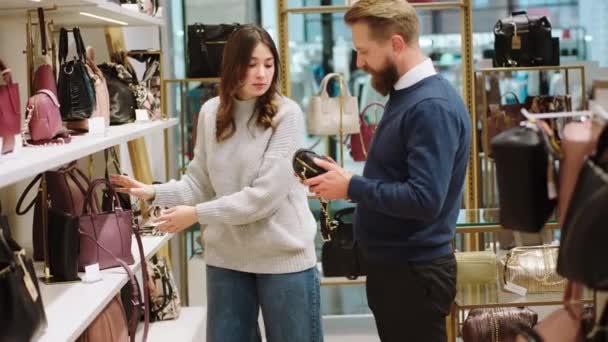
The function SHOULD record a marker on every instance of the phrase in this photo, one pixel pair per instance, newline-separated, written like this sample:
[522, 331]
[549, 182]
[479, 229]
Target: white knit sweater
[255, 211]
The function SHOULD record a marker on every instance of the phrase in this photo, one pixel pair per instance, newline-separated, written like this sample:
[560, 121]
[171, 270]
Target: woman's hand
[130, 186]
[176, 219]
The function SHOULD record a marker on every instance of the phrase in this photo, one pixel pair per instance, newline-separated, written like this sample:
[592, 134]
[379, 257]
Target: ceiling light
[87, 14]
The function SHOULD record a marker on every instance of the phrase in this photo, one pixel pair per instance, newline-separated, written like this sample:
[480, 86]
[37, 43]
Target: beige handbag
[325, 113]
[533, 268]
[476, 268]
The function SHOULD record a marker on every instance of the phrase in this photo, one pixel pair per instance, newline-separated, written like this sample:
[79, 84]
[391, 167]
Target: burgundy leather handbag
[359, 143]
[112, 229]
[10, 119]
[44, 78]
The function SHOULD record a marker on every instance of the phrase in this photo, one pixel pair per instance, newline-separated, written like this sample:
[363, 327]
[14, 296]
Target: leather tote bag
[525, 174]
[360, 142]
[522, 40]
[333, 115]
[113, 230]
[66, 190]
[10, 117]
[76, 90]
[63, 245]
[122, 98]
[206, 48]
[582, 255]
[22, 313]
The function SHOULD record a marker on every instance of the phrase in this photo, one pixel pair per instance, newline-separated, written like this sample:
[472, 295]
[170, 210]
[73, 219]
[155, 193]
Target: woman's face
[260, 72]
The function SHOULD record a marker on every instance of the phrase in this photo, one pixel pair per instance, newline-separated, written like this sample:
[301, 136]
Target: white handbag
[324, 111]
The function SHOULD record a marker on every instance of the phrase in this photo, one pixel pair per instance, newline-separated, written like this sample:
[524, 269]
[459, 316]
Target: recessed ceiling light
[87, 14]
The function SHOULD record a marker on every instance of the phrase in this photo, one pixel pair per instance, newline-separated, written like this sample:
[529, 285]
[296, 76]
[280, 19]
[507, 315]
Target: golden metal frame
[488, 188]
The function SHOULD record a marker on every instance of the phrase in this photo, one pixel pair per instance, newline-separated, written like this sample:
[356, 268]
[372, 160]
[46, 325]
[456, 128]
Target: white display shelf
[71, 307]
[30, 161]
[188, 327]
[68, 12]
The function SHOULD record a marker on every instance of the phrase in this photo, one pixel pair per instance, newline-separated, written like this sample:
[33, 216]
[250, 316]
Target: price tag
[91, 273]
[516, 42]
[522, 291]
[142, 115]
[18, 143]
[97, 126]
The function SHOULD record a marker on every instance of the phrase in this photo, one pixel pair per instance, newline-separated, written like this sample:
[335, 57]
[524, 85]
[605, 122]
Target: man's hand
[331, 185]
[177, 219]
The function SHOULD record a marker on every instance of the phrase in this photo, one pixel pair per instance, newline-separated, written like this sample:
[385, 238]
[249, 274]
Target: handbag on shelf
[341, 256]
[76, 91]
[527, 195]
[582, 254]
[43, 120]
[10, 117]
[122, 99]
[63, 242]
[21, 308]
[502, 117]
[206, 48]
[360, 142]
[66, 190]
[476, 267]
[113, 230]
[496, 324]
[164, 296]
[533, 268]
[333, 115]
[522, 40]
[109, 326]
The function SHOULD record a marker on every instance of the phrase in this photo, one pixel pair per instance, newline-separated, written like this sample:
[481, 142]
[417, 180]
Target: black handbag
[206, 48]
[341, 256]
[582, 254]
[75, 87]
[522, 40]
[525, 174]
[63, 245]
[22, 315]
[122, 98]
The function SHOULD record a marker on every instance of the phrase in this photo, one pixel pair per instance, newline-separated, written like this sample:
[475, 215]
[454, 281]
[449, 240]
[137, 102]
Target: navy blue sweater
[410, 193]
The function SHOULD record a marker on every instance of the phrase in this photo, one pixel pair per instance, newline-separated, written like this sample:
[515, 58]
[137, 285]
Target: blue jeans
[290, 306]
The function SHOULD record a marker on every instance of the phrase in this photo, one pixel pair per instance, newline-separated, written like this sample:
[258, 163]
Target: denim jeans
[290, 306]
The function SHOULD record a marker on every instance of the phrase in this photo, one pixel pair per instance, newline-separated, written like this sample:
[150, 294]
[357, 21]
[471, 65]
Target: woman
[259, 233]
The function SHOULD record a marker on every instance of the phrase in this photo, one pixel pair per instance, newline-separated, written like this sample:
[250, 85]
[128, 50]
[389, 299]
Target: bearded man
[409, 195]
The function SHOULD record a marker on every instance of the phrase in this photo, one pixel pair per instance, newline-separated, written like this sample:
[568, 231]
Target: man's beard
[384, 80]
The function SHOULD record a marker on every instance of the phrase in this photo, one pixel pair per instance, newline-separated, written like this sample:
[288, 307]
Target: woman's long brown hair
[235, 63]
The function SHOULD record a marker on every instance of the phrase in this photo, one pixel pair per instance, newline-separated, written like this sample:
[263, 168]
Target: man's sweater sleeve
[433, 139]
[194, 187]
[274, 181]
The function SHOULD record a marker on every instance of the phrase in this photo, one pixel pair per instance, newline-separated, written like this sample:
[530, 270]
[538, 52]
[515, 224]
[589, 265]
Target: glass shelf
[491, 295]
[486, 218]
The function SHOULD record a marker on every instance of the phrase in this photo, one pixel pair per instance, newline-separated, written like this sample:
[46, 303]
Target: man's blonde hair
[386, 18]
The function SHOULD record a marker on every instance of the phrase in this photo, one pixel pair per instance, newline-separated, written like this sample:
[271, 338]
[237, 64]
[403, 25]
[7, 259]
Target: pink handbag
[359, 143]
[10, 118]
[112, 229]
[43, 117]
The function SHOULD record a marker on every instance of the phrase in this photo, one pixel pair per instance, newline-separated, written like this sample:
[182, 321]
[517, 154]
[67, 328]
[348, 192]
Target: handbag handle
[6, 73]
[325, 82]
[91, 193]
[114, 158]
[63, 45]
[366, 108]
[29, 187]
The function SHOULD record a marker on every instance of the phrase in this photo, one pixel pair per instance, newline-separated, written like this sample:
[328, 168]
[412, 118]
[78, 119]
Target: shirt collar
[416, 74]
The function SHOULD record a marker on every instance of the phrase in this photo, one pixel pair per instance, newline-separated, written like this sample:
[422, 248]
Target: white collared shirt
[416, 74]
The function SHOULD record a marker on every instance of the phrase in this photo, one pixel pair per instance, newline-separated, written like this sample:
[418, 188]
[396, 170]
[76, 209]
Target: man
[409, 196]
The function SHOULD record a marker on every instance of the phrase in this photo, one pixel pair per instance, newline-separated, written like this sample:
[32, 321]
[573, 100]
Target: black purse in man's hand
[304, 165]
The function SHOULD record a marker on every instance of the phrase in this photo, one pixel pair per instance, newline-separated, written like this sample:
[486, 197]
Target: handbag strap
[91, 193]
[325, 82]
[366, 108]
[63, 45]
[27, 190]
[134, 287]
[327, 224]
[112, 156]
[42, 26]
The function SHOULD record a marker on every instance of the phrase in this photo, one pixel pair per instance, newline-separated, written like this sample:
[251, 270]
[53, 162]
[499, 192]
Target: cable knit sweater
[255, 211]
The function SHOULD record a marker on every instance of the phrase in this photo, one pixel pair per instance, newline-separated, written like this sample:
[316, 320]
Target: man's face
[375, 58]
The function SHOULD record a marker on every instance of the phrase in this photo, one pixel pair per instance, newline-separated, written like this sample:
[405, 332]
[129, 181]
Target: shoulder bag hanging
[10, 117]
[360, 142]
[44, 78]
[206, 48]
